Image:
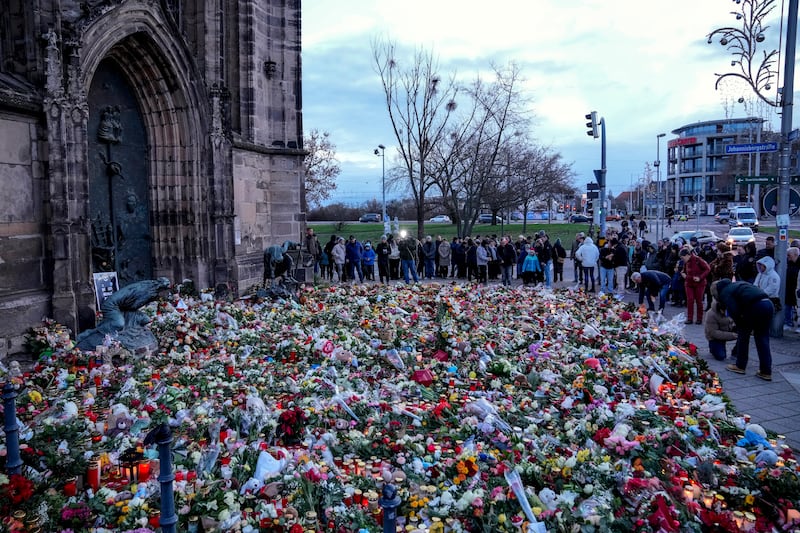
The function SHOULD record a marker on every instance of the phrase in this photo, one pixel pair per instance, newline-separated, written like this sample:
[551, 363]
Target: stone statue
[110, 129]
[122, 318]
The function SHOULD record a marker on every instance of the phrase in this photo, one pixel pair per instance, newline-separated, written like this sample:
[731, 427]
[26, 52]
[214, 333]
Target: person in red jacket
[695, 274]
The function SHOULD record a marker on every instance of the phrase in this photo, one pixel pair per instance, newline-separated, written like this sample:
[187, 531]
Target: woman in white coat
[588, 254]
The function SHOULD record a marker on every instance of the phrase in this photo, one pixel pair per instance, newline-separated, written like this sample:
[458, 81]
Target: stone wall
[267, 198]
[24, 277]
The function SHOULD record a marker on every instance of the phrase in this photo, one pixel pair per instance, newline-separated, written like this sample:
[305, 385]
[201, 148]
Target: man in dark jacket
[429, 255]
[507, 256]
[752, 310]
[408, 257]
[652, 282]
[355, 251]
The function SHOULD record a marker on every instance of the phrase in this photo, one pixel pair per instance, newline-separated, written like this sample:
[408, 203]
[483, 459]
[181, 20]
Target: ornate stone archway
[188, 185]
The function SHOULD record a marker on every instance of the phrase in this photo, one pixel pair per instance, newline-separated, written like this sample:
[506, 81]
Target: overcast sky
[643, 65]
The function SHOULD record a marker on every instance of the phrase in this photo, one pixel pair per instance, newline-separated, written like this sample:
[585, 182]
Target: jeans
[756, 320]
[408, 265]
[788, 315]
[717, 350]
[548, 275]
[606, 279]
[662, 297]
[578, 270]
[506, 271]
[430, 268]
[355, 266]
[588, 275]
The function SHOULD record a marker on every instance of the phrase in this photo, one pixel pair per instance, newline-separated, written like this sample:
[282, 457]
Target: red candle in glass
[144, 470]
[93, 475]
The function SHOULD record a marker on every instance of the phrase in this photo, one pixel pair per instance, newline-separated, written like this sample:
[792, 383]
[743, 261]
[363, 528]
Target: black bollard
[13, 460]
[389, 502]
[162, 436]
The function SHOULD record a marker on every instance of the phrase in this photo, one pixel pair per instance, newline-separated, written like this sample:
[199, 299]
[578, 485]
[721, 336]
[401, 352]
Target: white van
[743, 217]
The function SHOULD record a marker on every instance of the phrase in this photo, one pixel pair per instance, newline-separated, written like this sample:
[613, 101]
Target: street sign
[794, 135]
[593, 195]
[751, 148]
[592, 187]
[757, 180]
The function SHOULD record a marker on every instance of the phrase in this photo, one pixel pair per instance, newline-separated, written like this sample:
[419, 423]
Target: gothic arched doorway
[119, 201]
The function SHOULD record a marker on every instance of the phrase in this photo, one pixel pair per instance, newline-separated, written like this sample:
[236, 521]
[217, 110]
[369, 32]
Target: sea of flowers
[488, 409]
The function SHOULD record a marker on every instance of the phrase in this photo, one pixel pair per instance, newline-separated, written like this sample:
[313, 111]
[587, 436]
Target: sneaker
[735, 369]
[765, 377]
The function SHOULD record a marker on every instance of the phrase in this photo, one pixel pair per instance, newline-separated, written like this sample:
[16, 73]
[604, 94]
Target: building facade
[701, 176]
[145, 137]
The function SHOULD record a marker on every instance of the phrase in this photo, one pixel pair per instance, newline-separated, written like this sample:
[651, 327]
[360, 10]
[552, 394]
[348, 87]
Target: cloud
[644, 66]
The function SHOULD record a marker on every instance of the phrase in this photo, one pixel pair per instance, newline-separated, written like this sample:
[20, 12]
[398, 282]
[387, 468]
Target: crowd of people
[534, 260]
[733, 292]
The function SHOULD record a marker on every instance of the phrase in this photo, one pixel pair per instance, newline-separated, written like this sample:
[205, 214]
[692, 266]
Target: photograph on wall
[105, 284]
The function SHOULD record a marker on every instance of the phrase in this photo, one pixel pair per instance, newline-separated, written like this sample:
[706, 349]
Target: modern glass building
[701, 177]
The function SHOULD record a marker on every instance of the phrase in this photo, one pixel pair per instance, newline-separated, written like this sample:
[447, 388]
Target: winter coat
[338, 253]
[355, 251]
[531, 263]
[444, 253]
[738, 297]
[482, 256]
[768, 281]
[383, 250]
[695, 267]
[507, 254]
[369, 256]
[717, 326]
[652, 281]
[588, 254]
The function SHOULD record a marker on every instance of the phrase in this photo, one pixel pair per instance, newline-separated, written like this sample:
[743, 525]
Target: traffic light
[592, 124]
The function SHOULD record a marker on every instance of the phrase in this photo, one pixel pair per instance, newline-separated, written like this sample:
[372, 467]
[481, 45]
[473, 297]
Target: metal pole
[603, 173]
[782, 217]
[659, 199]
[385, 218]
[389, 502]
[13, 460]
[162, 436]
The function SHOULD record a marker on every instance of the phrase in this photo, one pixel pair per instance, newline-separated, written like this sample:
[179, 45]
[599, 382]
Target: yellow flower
[35, 396]
[749, 499]
[501, 518]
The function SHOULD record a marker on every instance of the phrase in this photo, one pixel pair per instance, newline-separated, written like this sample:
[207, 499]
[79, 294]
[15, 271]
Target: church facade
[146, 138]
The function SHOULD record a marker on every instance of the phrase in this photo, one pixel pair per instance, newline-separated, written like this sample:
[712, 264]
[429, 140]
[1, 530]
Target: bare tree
[419, 103]
[470, 163]
[320, 166]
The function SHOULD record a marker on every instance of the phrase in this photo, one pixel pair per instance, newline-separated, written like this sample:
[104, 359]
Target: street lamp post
[659, 200]
[381, 151]
[758, 71]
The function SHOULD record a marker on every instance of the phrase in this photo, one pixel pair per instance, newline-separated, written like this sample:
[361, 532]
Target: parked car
[516, 215]
[683, 217]
[613, 218]
[577, 218]
[722, 217]
[370, 217]
[703, 236]
[442, 219]
[740, 236]
[486, 218]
